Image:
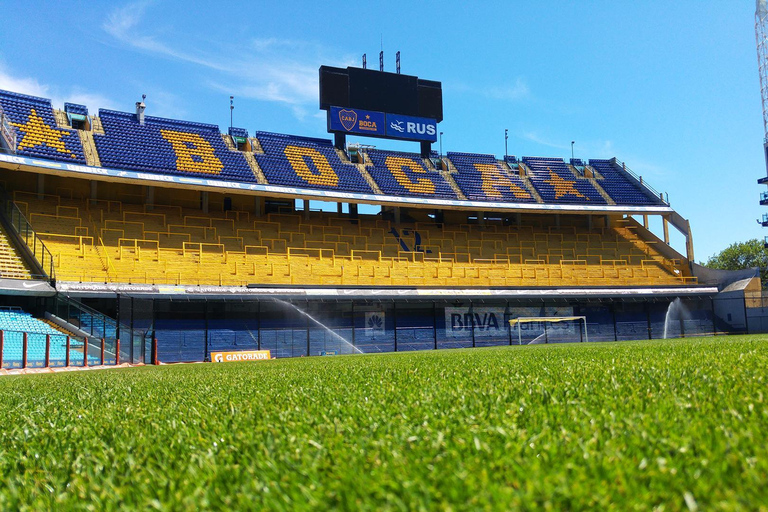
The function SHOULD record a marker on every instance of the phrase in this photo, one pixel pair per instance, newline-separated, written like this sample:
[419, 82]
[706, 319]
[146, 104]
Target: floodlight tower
[761, 35]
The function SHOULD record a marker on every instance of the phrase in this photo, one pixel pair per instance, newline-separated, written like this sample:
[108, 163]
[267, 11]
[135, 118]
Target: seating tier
[482, 178]
[405, 174]
[37, 134]
[15, 322]
[174, 245]
[555, 182]
[617, 185]
[167, 146]
[307, 163]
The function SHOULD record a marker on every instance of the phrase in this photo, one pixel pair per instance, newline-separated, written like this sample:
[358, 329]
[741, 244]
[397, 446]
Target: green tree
[741, 255]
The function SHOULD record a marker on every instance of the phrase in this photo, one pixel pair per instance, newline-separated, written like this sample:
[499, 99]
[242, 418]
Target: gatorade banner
[245, 355]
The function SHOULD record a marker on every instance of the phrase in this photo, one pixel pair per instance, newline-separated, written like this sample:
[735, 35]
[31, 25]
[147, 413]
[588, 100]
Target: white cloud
[516, 91]
[533, 137]
[275, 70]
[22, 85]
[57, 95]
[500, 90]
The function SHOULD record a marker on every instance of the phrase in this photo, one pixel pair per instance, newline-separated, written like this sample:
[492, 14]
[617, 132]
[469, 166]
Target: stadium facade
[125, 226]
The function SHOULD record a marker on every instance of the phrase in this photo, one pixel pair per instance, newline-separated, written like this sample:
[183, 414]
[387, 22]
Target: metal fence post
[85, 352]
[2, 346]
[117, 351]
[47, 350]
[66, 357]
[102, 351]
[24, 351]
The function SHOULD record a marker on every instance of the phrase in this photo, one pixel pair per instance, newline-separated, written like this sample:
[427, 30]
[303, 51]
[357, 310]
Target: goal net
[532, 330]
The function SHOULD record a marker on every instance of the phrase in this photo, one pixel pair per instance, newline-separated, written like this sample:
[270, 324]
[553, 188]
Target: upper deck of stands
[181, 148]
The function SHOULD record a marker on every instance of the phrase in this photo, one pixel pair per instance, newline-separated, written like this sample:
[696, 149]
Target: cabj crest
[348, 119]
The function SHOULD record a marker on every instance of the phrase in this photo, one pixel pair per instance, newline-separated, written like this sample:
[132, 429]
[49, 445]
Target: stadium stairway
[447, 177]
[111, 241]
[12, 266]
[363, 171]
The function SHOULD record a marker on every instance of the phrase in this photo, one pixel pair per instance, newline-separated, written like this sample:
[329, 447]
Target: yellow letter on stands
[193, 153]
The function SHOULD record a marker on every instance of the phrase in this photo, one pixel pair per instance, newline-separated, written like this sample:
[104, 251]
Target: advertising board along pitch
[244, 355]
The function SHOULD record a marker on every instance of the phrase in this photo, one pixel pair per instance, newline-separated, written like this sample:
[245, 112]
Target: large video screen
[380, 91]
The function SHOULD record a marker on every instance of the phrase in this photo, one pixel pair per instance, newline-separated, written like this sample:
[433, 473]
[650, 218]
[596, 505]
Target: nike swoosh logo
[31, 285]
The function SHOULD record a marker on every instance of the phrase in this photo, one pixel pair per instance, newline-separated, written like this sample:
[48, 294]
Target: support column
[94, 192]
[340, 140]
[149, 198]
[204, 201]
[557, 220]
[397, 216]
[472, 321]
[665, 220]
[258, 206]
[481, 219]
[519, 220]
[394, 320]
[689, 242]
[645, 221]
[306, 209]
[339, 209]
[589, 222]
[40, 186]
[434, 322]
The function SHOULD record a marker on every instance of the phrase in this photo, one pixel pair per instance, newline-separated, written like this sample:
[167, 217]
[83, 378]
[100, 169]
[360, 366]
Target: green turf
[679, 424]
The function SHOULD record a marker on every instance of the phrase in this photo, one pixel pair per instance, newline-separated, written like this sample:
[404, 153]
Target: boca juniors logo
[348, 119]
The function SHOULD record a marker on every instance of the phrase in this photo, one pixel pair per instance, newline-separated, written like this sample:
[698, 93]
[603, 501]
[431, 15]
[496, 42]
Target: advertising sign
[488, 322]
[374, 323]
[379, 124]
[411, 128]
[362, 122]
[245, 355]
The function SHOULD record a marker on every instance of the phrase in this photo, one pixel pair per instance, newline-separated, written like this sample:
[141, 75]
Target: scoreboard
[380, 104]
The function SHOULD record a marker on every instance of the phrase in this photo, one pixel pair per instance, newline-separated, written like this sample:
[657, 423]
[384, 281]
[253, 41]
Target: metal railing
[7, 132]
[20, 350]
[640, 181]
[23, 230]
[85, 318]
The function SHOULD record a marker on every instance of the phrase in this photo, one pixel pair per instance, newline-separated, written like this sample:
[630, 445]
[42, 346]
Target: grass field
[680, 424]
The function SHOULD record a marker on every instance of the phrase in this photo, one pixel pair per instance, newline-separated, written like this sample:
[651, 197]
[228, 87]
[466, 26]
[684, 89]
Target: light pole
[441, 146]
[231, 109]
[506, 138]
[572, 143]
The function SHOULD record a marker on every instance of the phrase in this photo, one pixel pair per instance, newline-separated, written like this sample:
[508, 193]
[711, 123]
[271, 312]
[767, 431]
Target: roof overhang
[254, 292]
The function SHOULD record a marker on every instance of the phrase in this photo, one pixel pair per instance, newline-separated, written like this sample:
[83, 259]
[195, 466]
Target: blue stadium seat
[14, 323]
[482, 178]
[307, 163]
[555, 182]
[166, 146]
[619, 186]
[404, 174]
[36, 129]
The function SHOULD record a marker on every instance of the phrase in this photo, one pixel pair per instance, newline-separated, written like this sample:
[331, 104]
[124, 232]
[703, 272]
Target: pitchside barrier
[19, 350]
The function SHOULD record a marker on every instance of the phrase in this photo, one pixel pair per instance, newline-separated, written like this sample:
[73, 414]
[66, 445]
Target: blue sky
[670, 88]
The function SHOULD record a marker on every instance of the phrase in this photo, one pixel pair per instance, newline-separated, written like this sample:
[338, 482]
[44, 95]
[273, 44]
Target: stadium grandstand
[128, 237]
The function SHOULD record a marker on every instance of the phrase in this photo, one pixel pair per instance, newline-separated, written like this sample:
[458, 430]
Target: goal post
[543, 322]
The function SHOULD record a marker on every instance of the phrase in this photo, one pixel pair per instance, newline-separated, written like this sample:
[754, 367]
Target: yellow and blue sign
[379, 124]
[361, 122]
